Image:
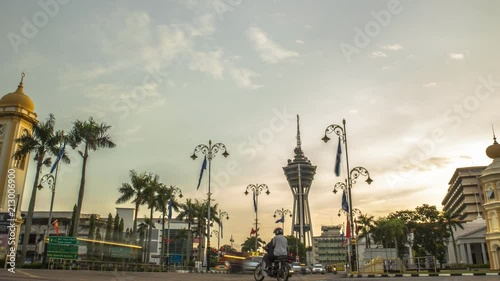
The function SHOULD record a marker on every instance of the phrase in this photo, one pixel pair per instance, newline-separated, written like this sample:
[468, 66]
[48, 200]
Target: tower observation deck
[300, 173]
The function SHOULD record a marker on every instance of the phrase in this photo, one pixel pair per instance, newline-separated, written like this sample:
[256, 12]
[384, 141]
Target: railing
[59, 264]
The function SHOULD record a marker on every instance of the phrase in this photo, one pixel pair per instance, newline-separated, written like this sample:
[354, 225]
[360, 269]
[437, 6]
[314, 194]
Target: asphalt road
[69, 275]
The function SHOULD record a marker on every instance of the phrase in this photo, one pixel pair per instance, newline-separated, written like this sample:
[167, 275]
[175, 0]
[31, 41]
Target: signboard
[62, 247]
[175, 258]
[63, 240]
[121, 252]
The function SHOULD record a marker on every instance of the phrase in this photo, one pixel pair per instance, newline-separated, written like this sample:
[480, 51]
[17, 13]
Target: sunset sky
[418, 83]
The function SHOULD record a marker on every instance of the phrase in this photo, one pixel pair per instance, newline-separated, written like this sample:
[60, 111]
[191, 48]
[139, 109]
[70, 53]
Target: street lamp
[222, 215]
[351, 178]
[216, 232]
[209, 151]
[282, 213]
[256, 190]
[170, 191]
[51, 183]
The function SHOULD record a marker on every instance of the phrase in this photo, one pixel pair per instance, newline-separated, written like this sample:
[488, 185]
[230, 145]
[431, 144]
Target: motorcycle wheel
[258, 273]
[284, 273]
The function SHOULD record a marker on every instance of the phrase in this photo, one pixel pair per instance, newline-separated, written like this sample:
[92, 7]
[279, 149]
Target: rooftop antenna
[494, 137]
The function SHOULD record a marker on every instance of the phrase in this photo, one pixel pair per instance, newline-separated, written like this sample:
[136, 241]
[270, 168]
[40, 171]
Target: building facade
[464, 194]
[490, 179]
[329, 249]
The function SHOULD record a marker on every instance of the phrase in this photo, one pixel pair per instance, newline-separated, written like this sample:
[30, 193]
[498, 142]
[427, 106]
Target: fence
[380, 265]
[111, 266]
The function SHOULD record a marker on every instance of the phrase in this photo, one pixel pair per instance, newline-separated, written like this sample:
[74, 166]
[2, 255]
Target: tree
[135, 190]
[187, 212]
[93, 136]
[296, 247]
[143, 229]
[92, 234]
[249, 244]
[120, 230]
[452, 221]
[116, 228]
[73, 220]
[150, 192]
[43, 141]
[100, 245]
[109, 234]
[366, 223]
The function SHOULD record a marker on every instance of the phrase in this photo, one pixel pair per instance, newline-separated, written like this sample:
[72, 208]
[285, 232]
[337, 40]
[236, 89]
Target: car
[250, 264]
[318, 268]
[222, 266]
[301, 268]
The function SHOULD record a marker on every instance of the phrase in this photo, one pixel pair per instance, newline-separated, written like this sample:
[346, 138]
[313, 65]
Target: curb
[424, 274]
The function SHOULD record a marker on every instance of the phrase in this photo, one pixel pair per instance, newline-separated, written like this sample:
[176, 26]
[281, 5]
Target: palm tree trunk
[80, 194]
[29, 217]
[135, 223]
[454, 245]
[148, 249]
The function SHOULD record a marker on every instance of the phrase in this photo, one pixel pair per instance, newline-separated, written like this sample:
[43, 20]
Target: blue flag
[203, 168]
[169, 209]
[345, 205]
[337, 160]
[61, 153]
[281, 220]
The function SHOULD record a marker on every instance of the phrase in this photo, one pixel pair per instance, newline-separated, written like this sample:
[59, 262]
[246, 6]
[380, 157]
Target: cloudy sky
[417, 82]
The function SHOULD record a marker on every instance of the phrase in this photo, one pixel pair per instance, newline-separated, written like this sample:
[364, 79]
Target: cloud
[430, 85]
[208, 62]
[456, 56]
[270, 52]
[299, 41]
[378, 54]
[307, 26]
[392, 47]
[243, 78]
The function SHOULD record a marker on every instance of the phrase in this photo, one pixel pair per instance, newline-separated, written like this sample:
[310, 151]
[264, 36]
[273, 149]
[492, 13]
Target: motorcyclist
[278, 246]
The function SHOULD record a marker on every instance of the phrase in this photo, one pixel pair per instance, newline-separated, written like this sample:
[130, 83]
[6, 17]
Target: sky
[418, 83]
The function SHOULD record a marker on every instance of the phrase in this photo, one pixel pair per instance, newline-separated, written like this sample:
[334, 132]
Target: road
[60, 275]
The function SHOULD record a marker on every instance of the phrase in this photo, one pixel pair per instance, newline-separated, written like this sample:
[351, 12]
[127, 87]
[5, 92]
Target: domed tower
[16, 118]
[300, 173]
[490, 180]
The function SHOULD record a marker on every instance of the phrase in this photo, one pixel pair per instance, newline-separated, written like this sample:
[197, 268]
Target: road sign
[58, 248]
[62, 256]
[121, 252]
[63, 240]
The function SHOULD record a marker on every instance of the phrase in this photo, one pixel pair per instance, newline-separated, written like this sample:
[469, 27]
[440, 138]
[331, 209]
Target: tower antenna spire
[494, 137]
[298, 132]
[22, 78]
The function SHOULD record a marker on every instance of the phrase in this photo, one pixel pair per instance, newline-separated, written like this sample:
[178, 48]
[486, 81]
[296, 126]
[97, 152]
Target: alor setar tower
[300, 173]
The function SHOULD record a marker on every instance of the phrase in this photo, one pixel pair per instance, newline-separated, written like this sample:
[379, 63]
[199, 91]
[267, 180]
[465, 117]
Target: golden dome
[18, 98]
[493, 151]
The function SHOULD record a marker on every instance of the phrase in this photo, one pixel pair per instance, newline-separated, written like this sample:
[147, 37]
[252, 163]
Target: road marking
[29, 274]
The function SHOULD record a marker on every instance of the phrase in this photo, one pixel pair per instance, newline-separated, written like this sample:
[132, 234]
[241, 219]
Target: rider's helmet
[278, 231]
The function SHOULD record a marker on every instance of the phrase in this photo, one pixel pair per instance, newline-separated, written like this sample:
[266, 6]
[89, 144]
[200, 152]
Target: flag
[170, 209]
[56, 226]
[255, 201]
[282, 220]
[203, 167]
[345, 205]
[61, 153]
[253, 231]
[221, 230]
[337, 160]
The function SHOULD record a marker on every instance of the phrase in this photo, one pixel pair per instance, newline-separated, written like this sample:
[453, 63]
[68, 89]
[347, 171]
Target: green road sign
[57, 248]
[63, 240]
[62, 256]
[121, 252]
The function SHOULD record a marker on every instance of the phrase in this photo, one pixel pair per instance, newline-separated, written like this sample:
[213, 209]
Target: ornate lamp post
[282, 213]
[256, 189]
[351, 179]
[217, 233]
[171, 191]
[209, 151]
[222, 215]
[51, 183]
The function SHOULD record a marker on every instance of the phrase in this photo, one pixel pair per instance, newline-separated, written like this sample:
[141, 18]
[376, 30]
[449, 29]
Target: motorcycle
[280, 269]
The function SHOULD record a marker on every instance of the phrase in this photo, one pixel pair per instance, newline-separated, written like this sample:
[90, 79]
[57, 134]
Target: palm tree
[188, 213]
[93, 136]
[150, 198]
[249, 244]
[452, 221]
[43, 141]
[134, 189]
[366, 224]
[143, 229]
